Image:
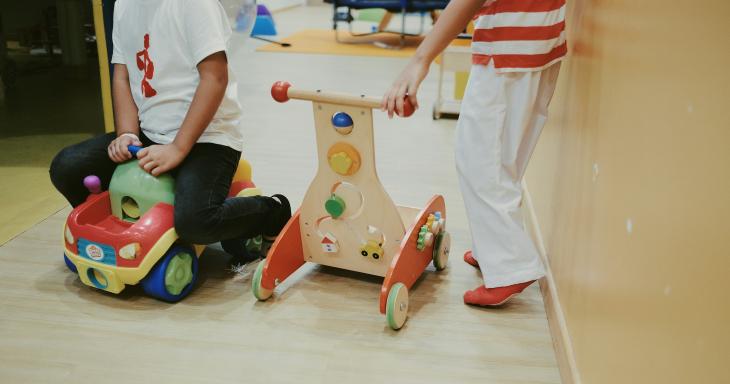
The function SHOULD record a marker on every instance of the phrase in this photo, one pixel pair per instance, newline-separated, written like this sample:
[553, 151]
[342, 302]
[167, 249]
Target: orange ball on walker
[279, 91]
[407, 108]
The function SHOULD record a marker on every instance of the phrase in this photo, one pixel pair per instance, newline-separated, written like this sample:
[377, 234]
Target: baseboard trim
[556, 319]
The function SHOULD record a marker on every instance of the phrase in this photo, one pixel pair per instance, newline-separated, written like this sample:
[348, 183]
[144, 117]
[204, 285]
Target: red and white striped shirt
[519, 35]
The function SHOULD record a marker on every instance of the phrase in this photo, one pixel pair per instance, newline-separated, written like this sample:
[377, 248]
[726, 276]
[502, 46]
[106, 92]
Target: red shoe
[469, 258]
[492, 297]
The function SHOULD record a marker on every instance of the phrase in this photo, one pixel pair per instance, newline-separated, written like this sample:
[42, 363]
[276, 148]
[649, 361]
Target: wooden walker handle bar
[282, 92]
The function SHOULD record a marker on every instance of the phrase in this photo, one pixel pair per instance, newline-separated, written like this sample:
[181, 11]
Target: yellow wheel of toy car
[259, 291]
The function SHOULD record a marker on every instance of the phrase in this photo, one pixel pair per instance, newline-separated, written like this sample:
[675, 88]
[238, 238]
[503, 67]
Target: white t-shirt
[161, 42]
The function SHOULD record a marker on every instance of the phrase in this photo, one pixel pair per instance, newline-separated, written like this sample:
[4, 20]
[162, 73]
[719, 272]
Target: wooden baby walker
[347, 220]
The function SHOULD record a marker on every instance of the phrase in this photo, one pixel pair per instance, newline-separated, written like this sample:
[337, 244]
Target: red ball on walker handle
[407, 107]
[279, 91]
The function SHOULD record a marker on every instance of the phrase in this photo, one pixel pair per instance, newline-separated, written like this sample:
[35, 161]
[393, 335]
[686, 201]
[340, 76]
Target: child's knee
[61, 166]
[185, 225]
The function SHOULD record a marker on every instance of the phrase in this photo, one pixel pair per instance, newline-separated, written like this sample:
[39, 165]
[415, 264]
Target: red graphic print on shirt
[145, 64]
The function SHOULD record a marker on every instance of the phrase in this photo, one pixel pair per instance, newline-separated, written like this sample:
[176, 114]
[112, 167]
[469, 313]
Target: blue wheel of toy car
[174, 276]
[69, 264]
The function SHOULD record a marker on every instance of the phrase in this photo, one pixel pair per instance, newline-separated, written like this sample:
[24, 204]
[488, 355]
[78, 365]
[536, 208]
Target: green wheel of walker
[396, 308]
[441, 250]
[261, 293]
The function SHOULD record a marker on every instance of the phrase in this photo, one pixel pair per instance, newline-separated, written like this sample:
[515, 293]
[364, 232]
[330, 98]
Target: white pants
[499, 124]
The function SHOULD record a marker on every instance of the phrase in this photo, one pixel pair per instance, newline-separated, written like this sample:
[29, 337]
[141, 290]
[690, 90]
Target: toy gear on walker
[347, 220]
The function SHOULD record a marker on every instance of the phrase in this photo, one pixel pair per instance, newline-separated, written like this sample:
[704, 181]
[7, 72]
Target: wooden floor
[323, 325]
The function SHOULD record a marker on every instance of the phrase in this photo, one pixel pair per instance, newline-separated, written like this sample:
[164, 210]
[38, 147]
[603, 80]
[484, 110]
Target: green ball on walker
[335, 206]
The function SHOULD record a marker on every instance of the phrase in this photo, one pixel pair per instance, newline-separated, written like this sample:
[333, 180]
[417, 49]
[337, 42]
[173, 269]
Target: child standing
[174, 94]
[517, 48]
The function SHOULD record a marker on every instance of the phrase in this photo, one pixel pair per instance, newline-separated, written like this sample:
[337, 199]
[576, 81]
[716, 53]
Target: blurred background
[50, 97]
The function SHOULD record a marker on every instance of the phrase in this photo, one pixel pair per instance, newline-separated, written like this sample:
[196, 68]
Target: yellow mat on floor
[318, 41]
[26, 193]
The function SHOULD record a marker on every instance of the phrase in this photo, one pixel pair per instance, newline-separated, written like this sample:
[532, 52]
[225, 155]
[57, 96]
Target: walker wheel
[441, 250]
[396, 309]
[261, 293]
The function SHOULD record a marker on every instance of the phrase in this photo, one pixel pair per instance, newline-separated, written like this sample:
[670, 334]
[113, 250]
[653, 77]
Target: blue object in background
[264, 26]
[261, 10]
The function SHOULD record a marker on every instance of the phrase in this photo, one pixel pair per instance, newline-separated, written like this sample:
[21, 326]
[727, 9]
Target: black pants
[203, 213]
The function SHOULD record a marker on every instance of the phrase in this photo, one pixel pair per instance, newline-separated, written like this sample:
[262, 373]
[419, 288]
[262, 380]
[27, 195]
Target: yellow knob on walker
[341, 163]
[343, 159]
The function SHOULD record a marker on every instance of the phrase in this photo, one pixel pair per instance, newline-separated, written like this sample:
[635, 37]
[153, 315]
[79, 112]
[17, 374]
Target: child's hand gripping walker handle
[133, 149]
[281, 91]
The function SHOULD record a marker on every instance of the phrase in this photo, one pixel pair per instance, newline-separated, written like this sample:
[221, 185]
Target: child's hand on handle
[452, 21]
[118, 149]
[158, 159]
[406, 85]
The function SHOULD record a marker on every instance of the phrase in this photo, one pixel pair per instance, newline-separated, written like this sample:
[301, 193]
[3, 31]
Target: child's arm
[158, 159]
[125, 116]
[451, 22]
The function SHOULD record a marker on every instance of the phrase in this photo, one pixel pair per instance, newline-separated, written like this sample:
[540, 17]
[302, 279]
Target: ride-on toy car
[126, 235]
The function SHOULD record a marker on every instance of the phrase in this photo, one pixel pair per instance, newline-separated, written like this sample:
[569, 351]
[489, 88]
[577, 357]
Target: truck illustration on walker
[347, 220]
[126, 235]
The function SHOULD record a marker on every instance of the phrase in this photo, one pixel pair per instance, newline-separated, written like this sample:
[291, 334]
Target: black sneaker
[247, 250]
[280, 217]
[279, 220]
[243, 250]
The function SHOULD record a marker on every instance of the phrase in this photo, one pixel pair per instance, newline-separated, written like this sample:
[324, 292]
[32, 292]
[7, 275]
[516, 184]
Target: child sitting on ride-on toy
[173, 95]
